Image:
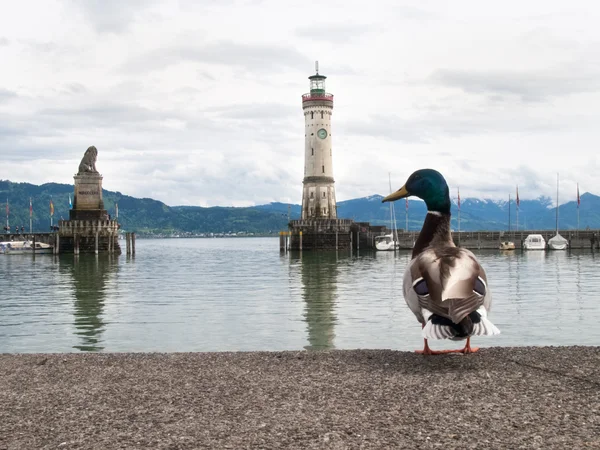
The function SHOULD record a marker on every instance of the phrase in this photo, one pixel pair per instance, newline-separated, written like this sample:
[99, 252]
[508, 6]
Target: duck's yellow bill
[400, 193]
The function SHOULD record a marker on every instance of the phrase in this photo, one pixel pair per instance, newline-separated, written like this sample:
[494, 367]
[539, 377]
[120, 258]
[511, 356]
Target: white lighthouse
[318, 193]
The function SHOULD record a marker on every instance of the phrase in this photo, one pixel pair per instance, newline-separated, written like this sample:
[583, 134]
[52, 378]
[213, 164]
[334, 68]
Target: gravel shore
[524, 397]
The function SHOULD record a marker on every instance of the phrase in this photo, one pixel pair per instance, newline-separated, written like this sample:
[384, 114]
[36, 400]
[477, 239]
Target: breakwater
[490, 240]
[343, 234]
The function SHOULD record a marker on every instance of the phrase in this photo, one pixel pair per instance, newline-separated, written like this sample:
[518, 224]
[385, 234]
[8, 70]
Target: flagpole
[406, 214]
[578, 201]
[30, 216]
[459, 216]
[518, 208]
[7, 226]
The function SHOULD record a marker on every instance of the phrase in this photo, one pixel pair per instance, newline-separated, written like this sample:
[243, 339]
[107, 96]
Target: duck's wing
[449, 282]
[411, 297]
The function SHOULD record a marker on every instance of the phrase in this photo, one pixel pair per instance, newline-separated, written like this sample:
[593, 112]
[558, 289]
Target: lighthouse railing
[310, 97]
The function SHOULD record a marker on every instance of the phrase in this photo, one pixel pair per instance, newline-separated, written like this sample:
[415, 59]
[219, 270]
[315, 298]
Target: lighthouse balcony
[317, 96]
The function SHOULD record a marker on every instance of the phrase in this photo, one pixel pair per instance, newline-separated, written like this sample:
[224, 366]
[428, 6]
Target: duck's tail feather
[475, 324]
[434, 331]
[485, 328]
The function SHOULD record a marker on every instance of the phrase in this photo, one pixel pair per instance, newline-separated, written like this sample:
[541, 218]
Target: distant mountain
[147, 216]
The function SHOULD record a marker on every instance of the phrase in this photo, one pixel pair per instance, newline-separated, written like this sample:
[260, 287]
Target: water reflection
[90, 275]
[236, 294]
[319, 273]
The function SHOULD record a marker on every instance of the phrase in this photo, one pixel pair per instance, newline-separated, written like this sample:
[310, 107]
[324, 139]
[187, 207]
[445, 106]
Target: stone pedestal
[89, 236]
[87, 202]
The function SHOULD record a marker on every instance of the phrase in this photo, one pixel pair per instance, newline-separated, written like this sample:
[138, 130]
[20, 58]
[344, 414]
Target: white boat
[386, 242]
[534, 242]
[557, 242]
[507, 245]
[389, 241]
[23, 248]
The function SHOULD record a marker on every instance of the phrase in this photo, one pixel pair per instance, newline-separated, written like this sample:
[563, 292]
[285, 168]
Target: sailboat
[508, 245]
[557, 242]
[389, 241]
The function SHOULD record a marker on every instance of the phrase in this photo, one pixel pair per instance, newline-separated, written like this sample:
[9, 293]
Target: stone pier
[89, 236]
[89, 229]
[332, 234]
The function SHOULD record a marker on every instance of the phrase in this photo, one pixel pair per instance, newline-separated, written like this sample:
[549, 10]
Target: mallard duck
[444, 286]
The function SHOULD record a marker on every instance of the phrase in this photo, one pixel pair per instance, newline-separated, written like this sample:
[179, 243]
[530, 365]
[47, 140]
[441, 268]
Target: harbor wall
[340, 234]
[490, 240]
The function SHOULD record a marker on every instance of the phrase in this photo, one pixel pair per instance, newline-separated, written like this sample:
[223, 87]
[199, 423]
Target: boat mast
[392, 216]
[509, 213]
[557, 203]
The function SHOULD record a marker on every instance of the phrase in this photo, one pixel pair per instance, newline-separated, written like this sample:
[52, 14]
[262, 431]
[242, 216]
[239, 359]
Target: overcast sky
[199, 102]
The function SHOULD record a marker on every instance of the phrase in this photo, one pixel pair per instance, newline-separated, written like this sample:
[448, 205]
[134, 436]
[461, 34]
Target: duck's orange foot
[469, 349]
[428, 351]
[466, 350]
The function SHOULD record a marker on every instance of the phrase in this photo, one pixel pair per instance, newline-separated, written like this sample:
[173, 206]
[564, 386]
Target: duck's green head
[429, 185]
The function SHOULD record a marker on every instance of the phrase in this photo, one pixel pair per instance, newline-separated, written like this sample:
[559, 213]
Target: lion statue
[88, 162]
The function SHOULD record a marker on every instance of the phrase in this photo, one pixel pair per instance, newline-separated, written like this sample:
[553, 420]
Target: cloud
[529, 86]
[251, 57]
[199, 102]
[112, 16]
[340, 33]
[429, 128]
[5, 95]
[265, 111]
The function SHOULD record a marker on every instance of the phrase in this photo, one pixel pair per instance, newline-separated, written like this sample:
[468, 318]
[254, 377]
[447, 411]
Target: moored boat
[558, 242]
[23, 248]
[389, 241]
[507, 245]
[534, 242]
[386, 242]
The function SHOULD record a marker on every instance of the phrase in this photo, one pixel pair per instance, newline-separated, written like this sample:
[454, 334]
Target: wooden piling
[336, 239]
[301, 241]
[76, 244]
[33, 249]
[127, 244]
[351, 243]
[57, 244]
[96, 244]
[132, 244]
[281, 242]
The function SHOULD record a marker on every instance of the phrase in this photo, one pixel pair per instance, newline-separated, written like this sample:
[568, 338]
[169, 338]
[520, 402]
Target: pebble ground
[505, 398]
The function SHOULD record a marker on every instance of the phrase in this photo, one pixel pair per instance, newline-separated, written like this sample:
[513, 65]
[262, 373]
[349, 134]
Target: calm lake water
[241, 294]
